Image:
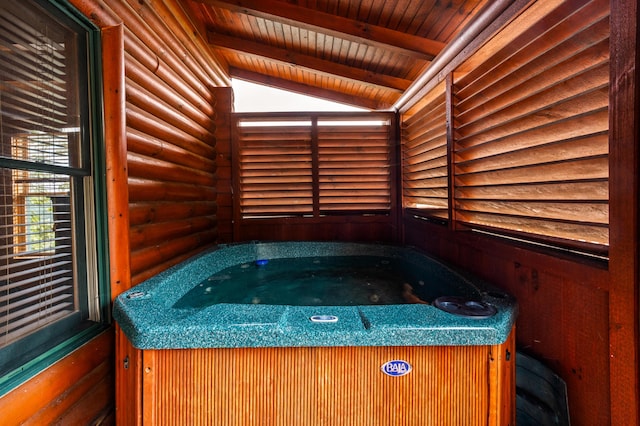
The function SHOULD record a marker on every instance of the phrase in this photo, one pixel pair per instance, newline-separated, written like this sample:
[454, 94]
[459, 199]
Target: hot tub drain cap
[465, 307]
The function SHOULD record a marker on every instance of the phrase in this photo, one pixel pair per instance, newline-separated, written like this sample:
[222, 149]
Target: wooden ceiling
[364, 53]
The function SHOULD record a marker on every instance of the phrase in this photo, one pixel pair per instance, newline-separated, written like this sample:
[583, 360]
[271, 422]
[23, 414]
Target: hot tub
[318, 333]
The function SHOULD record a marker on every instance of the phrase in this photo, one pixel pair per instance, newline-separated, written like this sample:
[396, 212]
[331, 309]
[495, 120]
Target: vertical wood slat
[128, 392]
[151, 409]
[224, 136]
[329, 386]
[502, 378]
[315, 165]
[624, 297]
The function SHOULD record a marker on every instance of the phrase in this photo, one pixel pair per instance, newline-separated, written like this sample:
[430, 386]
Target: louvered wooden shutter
[291, 164]
[41, 168]
[424, 156]
[531, 131]
[275, 167]
[354, 163]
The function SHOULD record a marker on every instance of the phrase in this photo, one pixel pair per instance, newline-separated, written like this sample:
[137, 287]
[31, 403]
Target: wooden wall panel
[454, 385]
[563, 317]
[624, 299]
[342, 228]
[79, 389]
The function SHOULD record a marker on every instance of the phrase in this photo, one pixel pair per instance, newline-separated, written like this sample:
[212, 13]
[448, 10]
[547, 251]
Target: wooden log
[46, 390]
[170, 114]
[99, 13]
[149, 234]
[164, 265]
[82, 401]
[145, 122]
[143, 144]
[149, 168]
[135, 48]
[151, 260]
[141, 213]
[156, 45]
[116, 158]
[177, 38]
[166, 91]
[194, 31]
[147, 190]
[138, 52]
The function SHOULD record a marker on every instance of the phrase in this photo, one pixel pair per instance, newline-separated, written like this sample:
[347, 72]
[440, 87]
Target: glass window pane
[39, 87]
[42, 246]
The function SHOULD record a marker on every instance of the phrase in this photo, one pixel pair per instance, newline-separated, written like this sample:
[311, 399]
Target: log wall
[171, 136]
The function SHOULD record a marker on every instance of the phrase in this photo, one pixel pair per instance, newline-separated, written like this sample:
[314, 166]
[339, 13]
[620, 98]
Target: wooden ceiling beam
[309, 62]
[305, 89]
[334, 25]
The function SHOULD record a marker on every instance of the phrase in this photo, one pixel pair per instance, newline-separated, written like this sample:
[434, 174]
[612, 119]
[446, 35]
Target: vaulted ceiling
[364, 53]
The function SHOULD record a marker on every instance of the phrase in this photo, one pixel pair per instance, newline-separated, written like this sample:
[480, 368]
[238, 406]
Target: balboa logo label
[396, 367]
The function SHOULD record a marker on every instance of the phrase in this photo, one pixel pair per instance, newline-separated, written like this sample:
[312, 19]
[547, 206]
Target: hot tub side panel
[448, 385]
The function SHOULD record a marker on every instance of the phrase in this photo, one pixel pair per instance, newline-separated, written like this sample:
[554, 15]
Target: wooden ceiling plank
[308, 90]
[402, 12]
[337, 26]
[305, 61]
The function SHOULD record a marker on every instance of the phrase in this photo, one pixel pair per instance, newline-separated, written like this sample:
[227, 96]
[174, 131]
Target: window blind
[41, 167]
[531, 132]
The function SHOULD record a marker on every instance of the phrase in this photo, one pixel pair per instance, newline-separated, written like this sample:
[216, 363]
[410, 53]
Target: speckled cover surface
[147, 315]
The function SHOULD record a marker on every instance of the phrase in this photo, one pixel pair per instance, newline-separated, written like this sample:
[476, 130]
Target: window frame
[90, 200]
